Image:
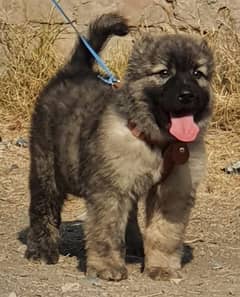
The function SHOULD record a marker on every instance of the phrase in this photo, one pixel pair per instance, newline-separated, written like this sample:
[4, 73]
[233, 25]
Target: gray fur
[80, 144]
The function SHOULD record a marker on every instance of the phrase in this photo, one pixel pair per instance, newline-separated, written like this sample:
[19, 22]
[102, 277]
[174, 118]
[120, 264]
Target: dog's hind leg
[46, 197]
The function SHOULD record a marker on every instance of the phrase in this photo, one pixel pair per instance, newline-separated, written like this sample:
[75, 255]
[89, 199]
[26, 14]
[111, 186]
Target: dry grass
[226, 46]
[30, 60]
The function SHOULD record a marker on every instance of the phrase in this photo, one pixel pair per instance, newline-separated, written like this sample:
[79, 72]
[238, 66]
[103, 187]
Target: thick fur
[80, 144]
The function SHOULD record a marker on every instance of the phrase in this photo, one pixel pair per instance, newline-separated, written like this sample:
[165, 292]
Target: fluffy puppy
[107, 146]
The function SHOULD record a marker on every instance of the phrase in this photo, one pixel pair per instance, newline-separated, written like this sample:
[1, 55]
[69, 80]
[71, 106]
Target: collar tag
[176, 153]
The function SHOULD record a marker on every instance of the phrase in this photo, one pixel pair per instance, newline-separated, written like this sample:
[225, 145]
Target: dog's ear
[209, 56]
[144, 44]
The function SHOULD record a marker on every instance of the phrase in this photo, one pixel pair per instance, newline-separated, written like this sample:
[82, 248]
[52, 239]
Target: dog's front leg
[167, 212]
[105, 235]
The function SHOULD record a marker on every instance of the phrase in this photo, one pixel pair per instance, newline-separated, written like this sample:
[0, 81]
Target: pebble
[21, 142]
[232, 168]
[70, 287]
[176, 281]
[94, 281]
[5, 144]
[217, 266]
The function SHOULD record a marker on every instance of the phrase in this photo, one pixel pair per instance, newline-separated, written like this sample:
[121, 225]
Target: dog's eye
[164, 73]
[198, 74]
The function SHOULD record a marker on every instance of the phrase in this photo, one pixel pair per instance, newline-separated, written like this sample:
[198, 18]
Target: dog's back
[67, 110]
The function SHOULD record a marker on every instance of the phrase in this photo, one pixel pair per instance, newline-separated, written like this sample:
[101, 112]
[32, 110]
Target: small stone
[217, 266]
[21, 249]
[93, 281]
[232, 168]
[22, 142]
[176, 281]
[211, 2]
[13, 167]
[12, 294]
[70, 287]
[5, 144]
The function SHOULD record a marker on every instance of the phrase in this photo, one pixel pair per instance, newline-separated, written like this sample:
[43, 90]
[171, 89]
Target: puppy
[108, 146]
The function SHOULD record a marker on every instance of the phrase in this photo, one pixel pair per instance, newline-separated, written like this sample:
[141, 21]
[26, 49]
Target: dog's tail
[99, 31]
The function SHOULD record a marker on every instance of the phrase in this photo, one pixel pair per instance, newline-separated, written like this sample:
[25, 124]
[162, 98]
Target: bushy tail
[99, 31]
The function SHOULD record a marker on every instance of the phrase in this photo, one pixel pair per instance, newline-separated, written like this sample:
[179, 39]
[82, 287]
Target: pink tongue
[184, 128]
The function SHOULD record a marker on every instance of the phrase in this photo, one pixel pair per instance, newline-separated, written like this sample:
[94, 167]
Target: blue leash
[111, 80]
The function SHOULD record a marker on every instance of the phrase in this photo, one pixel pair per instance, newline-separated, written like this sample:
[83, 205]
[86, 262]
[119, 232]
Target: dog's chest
[136, 165]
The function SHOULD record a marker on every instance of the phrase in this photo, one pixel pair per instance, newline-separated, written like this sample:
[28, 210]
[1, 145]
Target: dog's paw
[44, 249]
[158, 273]
[38, 255]
[110, 273]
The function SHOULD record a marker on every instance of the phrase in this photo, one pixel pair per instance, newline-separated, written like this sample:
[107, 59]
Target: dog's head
[172, 75]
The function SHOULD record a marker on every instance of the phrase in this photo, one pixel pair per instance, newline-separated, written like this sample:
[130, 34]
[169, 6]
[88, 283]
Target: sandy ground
[213, 235]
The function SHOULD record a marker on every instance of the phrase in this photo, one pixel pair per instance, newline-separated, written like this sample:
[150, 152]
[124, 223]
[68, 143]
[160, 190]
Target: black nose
[186, 97]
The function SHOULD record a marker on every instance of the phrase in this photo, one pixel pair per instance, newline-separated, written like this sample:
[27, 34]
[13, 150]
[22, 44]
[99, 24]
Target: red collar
[175, 153]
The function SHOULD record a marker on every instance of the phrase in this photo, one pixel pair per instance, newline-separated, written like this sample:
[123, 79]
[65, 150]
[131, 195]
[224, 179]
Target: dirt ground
[213, 235]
